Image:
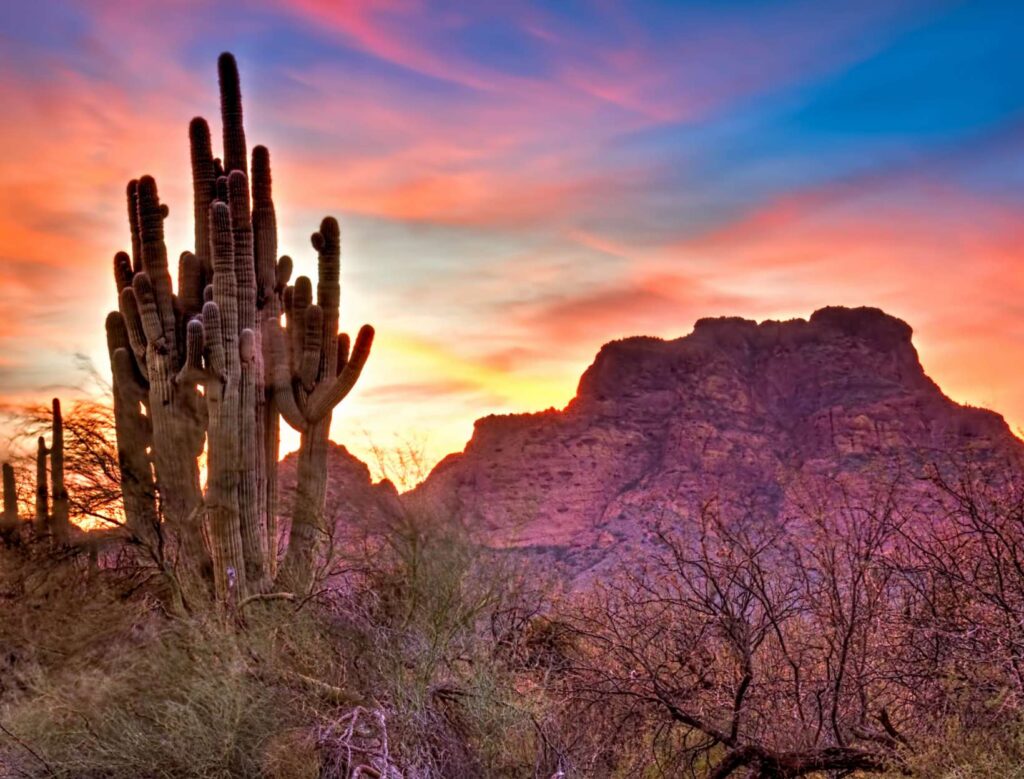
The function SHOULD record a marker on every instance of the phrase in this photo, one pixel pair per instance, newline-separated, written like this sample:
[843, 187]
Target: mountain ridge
[754, 416]
[736, 410]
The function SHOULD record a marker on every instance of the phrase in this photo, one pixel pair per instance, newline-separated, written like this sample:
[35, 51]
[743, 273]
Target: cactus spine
[214, 363]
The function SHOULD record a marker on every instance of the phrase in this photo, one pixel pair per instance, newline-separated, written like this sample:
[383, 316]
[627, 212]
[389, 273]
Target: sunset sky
[519, 183]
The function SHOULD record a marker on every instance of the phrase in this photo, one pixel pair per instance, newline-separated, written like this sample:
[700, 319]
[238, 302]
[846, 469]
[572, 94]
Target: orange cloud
[949, 262]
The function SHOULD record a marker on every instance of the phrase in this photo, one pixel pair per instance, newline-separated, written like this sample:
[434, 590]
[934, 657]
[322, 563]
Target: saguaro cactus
[154, 320]
[9, 523]
[51, 518]
[214, 362]
[322, 372]
[134, 433]
[42, 488]
[60, 519]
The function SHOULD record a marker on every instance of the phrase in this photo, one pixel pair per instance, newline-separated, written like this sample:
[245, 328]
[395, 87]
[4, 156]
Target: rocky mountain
[755, 419]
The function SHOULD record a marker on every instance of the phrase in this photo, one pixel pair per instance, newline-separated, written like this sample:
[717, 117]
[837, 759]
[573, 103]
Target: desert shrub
[420, 620]
[183, 704]
[98, 681]
[963, 751]
[396, 666]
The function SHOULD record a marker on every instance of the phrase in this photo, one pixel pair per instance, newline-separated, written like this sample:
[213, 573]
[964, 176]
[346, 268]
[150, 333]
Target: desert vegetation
[157, 621]
[854, 640]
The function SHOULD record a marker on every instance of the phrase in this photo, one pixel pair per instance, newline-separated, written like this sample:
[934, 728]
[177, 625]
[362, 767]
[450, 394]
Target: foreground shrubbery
[855, 642]
[394, 669]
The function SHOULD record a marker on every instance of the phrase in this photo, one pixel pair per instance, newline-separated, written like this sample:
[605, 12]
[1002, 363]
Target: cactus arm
[329, 394]
[242, 240]
[133, 328]
[231, 114]
[344, 344]
[301, 299]
[214, 341]
[264, 227]
[193, 371]
[327, 242]
[204, 188]
[281, 376]
[251, 505]
[312, 348]
[123, 271]
[154, 254]
[190, 285]
[133, 223]
[225, 287]
[284, 272]
[149, 312]
[134, 434]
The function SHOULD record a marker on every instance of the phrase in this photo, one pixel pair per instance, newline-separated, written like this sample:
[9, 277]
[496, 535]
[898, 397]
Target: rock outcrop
[753, 417]
[355, 505]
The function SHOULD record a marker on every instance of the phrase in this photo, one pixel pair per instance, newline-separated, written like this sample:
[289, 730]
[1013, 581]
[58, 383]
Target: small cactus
[42, 522]
[60, 518]
[9, 524]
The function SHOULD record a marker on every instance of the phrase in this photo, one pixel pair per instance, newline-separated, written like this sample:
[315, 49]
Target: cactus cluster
[52, 506]
[210, 367]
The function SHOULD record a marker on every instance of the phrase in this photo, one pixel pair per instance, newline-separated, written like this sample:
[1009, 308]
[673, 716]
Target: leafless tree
[755, 648]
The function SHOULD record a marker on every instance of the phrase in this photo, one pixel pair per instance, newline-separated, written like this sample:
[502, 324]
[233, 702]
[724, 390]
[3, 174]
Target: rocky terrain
[759, 420]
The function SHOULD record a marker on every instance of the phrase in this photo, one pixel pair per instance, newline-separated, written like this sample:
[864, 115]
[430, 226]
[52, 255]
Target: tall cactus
[42, 521]
[322, 374]
[215, 363]
[60, 518]
[53, 507]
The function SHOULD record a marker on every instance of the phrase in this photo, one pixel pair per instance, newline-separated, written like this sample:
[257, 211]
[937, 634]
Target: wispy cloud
[518, 183]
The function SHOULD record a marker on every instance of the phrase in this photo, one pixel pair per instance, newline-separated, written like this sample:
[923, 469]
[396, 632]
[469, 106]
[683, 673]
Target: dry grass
[393, 674]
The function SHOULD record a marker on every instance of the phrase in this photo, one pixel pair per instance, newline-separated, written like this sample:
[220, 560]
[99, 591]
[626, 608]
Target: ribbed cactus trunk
[60, 520]
[42, 520]
[173, 408]
[309, 527]
[222, 333]
[320, 359]
[268, 299]
[218, 334]
[9, 522]
[134, 436]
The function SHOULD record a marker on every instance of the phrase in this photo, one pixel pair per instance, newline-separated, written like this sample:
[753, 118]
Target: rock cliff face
[755, 417]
